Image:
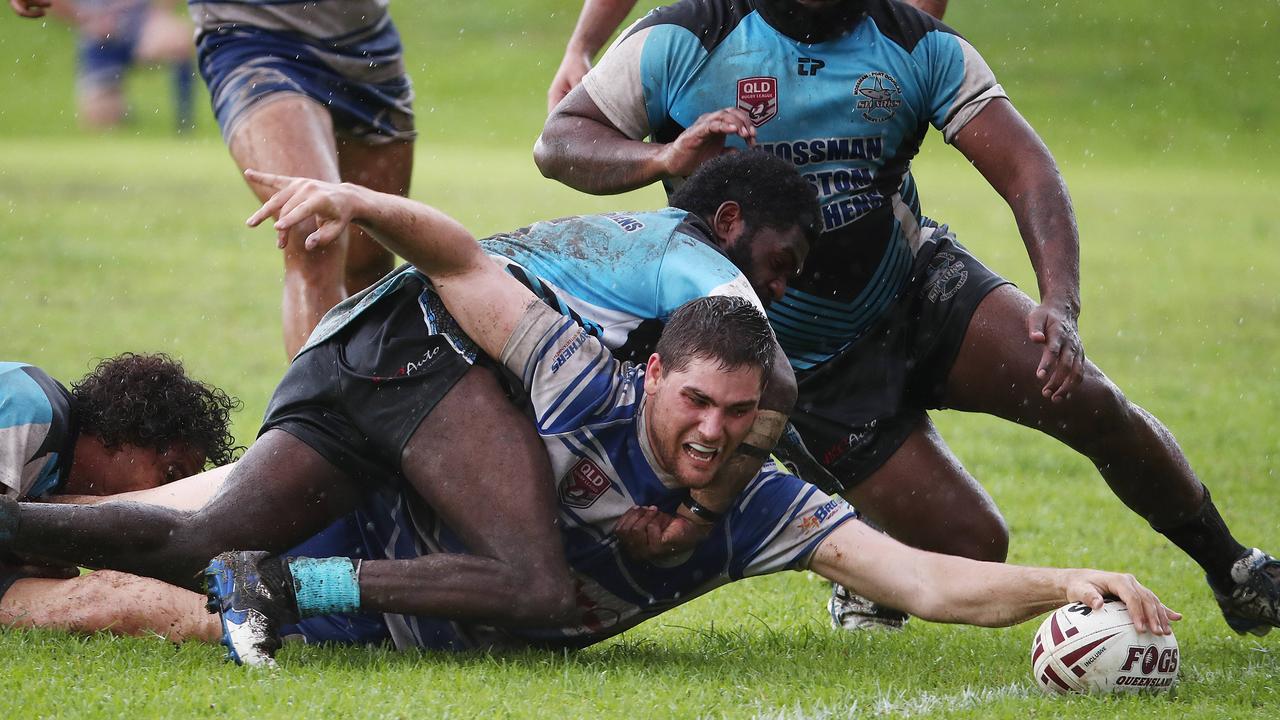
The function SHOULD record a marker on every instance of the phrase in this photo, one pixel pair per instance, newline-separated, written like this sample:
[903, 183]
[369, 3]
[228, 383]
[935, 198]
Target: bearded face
[812, 21]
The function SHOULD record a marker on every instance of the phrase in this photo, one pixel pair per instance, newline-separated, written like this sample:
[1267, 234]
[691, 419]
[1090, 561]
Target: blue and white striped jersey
[850, 112]
[37, 432]
[620, 275]
[589, 410]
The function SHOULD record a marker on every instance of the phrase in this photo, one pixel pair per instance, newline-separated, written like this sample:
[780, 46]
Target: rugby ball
[1081, 650]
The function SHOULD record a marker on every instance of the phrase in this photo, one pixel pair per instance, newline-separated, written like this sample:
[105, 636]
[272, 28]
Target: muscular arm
[582, 148]
[486, 301]
[597, 21]
[947, 588]
[1013, 158]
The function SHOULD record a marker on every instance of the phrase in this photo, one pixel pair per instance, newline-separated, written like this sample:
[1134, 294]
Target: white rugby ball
[1081, 650]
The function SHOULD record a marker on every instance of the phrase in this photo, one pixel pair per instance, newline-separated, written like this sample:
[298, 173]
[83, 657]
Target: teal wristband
[324, 586]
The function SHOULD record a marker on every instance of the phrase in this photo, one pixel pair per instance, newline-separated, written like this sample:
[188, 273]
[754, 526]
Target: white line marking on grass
[899, 704]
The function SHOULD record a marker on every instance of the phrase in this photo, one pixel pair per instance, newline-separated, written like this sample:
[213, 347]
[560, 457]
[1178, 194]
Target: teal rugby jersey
[850, 112]
[37, 432]
[620, 275]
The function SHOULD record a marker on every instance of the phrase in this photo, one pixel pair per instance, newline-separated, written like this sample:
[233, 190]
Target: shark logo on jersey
[584, 484]
[758, 96]
[878, 96]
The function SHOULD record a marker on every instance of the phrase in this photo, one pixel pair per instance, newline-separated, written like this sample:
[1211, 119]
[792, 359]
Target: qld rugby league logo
[878, 96]
[758, 96]
[584, 484]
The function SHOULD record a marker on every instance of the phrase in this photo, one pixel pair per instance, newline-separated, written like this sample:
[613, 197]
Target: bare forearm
[434, 242]
[596, 22]
[594, 158]
[987, 594]
[1047, 224]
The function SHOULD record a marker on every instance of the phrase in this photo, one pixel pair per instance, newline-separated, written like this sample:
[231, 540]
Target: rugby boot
[1252, 603]
[252, 592]
[850, 611]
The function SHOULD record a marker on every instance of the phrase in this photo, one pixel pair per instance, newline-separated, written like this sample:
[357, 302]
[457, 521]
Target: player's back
[35, 424]
[620, 275]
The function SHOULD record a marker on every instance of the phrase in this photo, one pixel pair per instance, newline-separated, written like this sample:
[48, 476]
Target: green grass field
[1165, 128]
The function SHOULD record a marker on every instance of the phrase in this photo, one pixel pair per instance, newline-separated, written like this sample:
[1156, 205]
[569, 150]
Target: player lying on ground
[385, 394]
[135, 422]
[627, 443]
[891, 316]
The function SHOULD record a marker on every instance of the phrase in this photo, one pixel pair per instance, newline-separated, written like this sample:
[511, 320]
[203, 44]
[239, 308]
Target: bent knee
[544, 601]
[1099, 414]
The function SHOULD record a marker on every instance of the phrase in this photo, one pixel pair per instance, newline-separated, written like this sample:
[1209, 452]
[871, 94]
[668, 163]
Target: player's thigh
[383, 166]
[924, 497]
[481, 465]
[995, 373]
[165, 37]
[287, 134]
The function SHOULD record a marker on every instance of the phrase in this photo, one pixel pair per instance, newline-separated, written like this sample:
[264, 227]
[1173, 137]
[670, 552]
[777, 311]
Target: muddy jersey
[37, 432]
[619, 275]
[589, 411]
[849, 112]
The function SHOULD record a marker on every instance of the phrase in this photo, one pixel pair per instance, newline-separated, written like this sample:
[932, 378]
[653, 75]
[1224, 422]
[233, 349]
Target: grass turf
[136, 242]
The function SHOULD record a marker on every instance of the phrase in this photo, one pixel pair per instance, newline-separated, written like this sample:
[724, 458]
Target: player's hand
[30, 8]
[573, 68]
[705, 140]
[297, 200]
[648, 534]
[1061, 367]
[1091, 587]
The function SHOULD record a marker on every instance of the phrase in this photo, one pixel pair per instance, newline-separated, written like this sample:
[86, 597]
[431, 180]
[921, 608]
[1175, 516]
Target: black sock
[1207, 540]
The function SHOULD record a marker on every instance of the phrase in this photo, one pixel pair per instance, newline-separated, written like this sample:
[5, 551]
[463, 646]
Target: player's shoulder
[904, 24]
[710, 21]
[29, 393]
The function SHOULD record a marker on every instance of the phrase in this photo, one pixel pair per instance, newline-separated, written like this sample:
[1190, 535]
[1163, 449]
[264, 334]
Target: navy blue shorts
[102, 61]
[857, 410]
[363, 86]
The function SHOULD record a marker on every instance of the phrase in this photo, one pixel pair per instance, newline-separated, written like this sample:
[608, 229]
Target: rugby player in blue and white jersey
[892, 317]
[627, 443]
[316, 89]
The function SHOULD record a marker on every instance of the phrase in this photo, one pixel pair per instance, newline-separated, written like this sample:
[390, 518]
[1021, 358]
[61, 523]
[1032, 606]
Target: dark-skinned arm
[581, 147]
[1016, 162]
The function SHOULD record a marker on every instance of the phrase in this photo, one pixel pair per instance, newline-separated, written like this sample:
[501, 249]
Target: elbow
[781, 390]
[549, 154]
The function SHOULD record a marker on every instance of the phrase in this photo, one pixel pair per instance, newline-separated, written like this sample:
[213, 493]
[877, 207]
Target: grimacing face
[696, 417]
[769, 258]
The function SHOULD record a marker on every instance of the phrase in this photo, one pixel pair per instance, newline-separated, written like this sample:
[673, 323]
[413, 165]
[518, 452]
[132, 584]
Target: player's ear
[652, 374]
[728, 223]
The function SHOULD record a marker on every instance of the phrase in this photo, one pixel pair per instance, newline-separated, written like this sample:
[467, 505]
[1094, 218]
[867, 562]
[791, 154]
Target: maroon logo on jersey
[758, 96]
[584, 484]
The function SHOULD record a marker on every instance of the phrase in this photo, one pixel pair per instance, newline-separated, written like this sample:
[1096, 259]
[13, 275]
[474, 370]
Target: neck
[811, 24]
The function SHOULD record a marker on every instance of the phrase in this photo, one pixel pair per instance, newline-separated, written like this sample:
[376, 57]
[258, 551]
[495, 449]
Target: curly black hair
[770, 191]
[150, 402]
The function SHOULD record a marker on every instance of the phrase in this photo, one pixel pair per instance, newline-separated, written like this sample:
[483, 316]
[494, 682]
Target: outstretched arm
[485, 300]
[1012, 157]
[598, 20]
[947, 588]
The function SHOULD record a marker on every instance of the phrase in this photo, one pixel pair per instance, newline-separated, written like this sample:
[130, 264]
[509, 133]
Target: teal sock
[324, 586]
